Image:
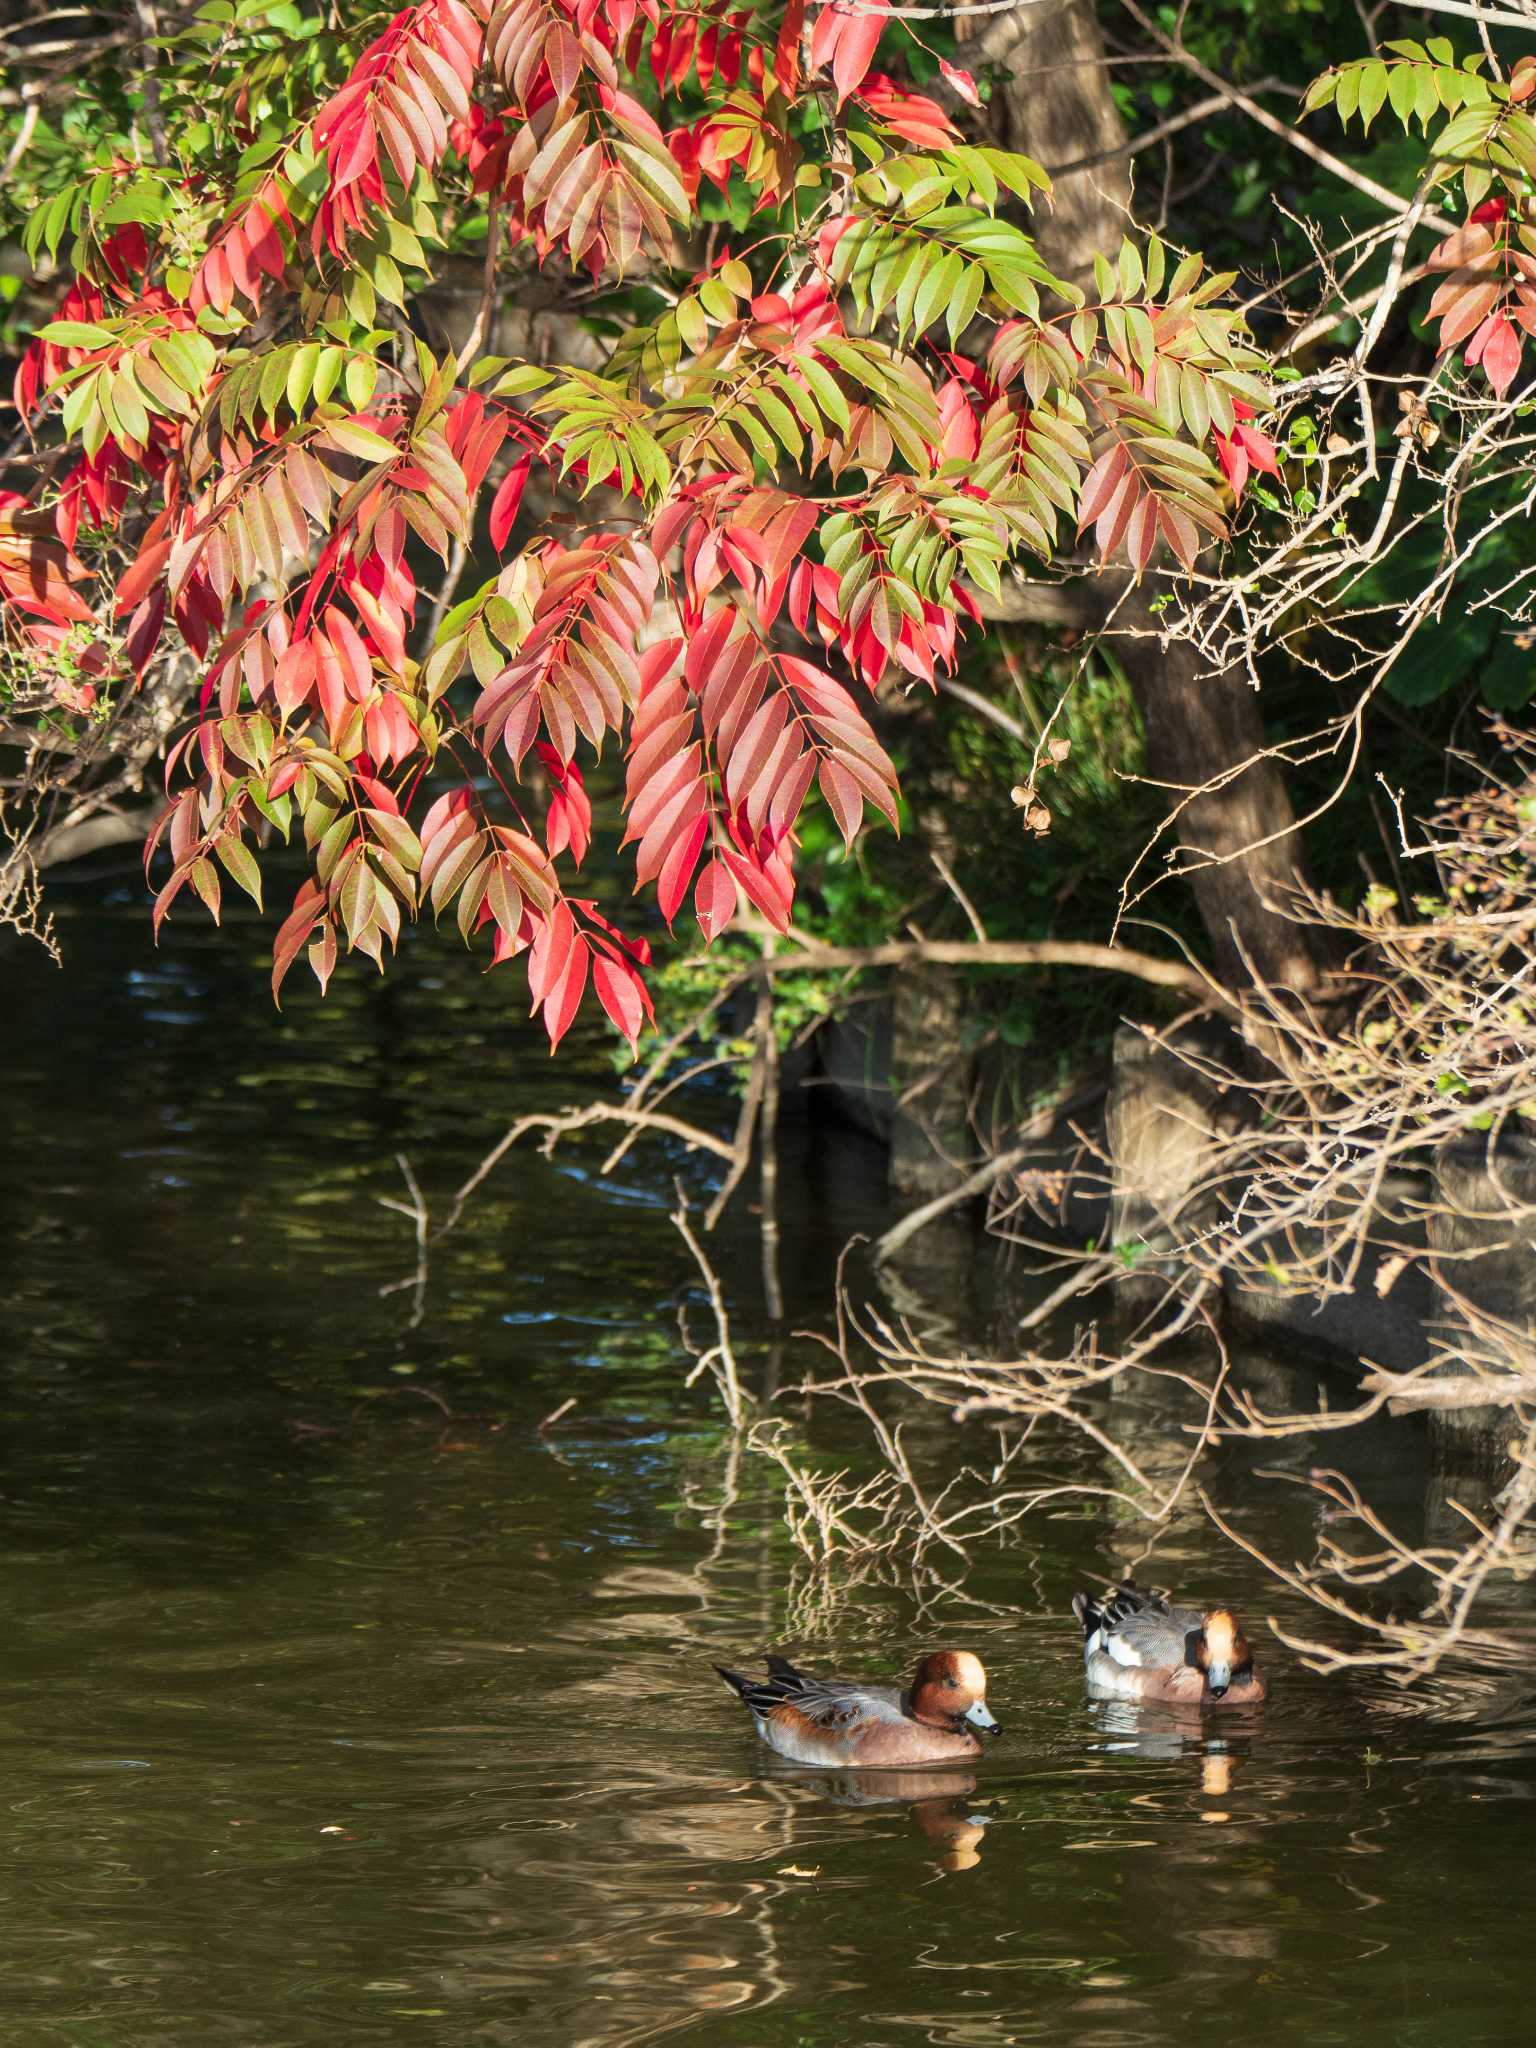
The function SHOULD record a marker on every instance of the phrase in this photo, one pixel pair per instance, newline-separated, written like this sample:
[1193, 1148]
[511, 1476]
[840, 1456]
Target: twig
[29, 119]
[1150, 137]
[453, 575]
[985, 1176]
[1382, 194]
[149, 59]
[811, 956]
[741, 1143]
[477, 333]
[719, 1360]
[947, 876]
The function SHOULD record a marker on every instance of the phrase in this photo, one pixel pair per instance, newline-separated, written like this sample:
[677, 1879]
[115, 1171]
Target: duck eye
[953, 1684]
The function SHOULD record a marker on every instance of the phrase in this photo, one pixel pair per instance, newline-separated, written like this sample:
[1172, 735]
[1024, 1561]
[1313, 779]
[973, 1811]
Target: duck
[1139, 1646]
[843, 1723]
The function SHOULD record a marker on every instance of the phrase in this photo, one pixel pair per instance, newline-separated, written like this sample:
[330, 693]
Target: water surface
[342, 1702]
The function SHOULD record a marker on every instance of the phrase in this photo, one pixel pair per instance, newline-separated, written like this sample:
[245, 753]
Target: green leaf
[239, 863]
[1507, 680]
[654, 171]
[78, 334]
[328, 372]
[301, 375]
[826, 391]
[395, 834]
[966, 297]
[1438, 657]
[352, 438]
[361, 380]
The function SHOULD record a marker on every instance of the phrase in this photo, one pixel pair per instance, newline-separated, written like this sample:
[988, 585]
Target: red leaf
[714, 899]
[509, 495]
[1497, 348]
[622, 994]
[844, 798]
[856, 45]
[144, 570]
[1141, 533]
[564, 999]
[1100, 483]
[764, 887]
[961, 82]
[308, 906]
[786, 57]
[677, 869]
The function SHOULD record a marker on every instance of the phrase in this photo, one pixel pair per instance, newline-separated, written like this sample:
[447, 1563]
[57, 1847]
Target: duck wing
[1136, 1628]
[830, 1703]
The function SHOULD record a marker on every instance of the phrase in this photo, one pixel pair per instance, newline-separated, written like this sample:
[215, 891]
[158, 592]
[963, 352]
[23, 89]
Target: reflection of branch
[416, 1209]
[747, 1121]
[556, 1127]
[1406, 1650]
[719, 1360]
[768, 1147]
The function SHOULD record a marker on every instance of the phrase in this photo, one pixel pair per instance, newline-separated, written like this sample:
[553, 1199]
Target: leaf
[352, 437]
[509, 495]
[78, 334]
[239, 863]
[622, 995]
[397, 835]
[308, 908]
[714, 899]
[858, 36]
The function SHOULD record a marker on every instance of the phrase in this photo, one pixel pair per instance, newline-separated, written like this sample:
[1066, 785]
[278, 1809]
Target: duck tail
[758, 1695]
[1089, 1612]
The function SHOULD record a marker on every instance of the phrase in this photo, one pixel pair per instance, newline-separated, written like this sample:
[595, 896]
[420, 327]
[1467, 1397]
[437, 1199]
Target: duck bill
[980, 1718]
[1217, 1679]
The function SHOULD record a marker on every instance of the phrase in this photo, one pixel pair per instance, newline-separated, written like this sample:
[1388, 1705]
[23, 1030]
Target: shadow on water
[341, 1702]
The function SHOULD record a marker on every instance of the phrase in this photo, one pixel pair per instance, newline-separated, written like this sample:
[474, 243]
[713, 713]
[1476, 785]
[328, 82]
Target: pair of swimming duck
[1136, 1646]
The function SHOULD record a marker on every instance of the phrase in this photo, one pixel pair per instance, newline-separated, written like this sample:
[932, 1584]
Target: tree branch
[808, 956]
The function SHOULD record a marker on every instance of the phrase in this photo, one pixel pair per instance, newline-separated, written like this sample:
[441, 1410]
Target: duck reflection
[1210, 1890]
[1166, 1734]
[940, 1803]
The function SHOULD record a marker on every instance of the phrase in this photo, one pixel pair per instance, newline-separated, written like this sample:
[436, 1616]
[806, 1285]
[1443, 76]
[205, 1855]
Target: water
[339, 1702]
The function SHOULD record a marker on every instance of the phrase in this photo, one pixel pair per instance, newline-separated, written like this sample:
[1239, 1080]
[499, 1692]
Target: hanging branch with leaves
[838, 392]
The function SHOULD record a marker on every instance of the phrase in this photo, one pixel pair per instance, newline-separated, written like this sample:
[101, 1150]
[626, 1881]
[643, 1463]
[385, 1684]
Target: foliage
[805, 444]
[1487, 143]
[1083, 718]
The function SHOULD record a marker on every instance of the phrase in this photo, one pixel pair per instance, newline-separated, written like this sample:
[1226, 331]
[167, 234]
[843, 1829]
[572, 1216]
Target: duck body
[842, 1723]
[1139, 1646]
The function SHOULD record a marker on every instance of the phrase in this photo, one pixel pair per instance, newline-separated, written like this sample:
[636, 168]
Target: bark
[1239, 843]
[1056, 106]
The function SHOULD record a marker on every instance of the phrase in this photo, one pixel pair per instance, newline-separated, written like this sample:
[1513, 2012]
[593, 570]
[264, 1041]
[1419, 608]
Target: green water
[338, 1704]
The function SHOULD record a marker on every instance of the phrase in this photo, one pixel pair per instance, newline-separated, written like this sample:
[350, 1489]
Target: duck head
[949, 1690]
[1220, 1650]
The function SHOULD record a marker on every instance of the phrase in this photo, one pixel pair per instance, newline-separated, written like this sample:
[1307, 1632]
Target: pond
[341, 1701]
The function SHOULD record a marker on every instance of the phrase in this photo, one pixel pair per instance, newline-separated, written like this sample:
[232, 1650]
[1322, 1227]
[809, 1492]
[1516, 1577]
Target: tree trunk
[1239, 843]
[1056, 106]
